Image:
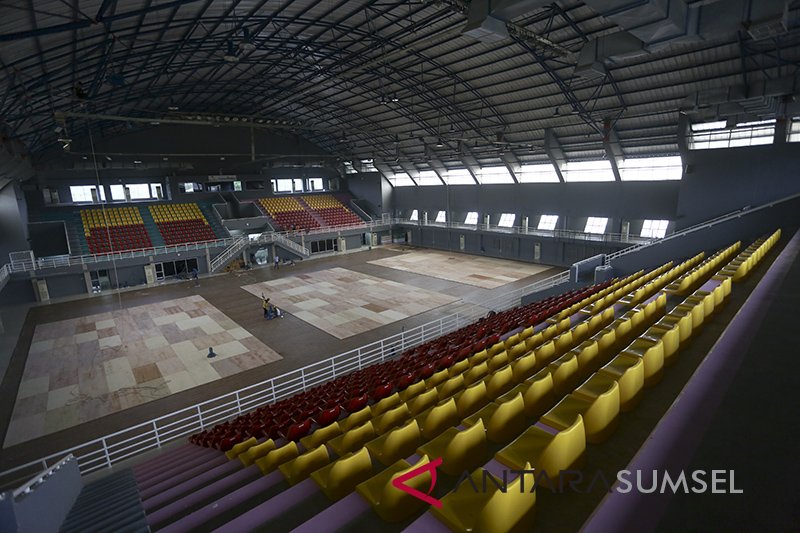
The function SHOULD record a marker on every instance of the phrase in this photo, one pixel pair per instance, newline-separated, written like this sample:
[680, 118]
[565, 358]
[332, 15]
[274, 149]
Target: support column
[87, 279]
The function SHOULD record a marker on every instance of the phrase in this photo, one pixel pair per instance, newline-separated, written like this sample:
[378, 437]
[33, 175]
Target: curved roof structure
[413, 85]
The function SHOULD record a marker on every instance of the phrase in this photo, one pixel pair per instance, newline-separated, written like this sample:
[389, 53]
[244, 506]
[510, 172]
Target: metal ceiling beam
[58, 28]
[512, 164]
[555, 152]
[613, 148]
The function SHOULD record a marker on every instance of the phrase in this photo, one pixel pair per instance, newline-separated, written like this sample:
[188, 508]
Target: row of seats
[648, 289]
[305, 212]
[741, 266]
[331, 210]
[109, 217]
[179, 223]
[353, 391]
[488, 393]
[114, 229]
[703, 271]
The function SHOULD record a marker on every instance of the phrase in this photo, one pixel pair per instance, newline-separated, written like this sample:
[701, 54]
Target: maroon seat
[328, 416]
[299, 430]
[382, 391]
[356, 404]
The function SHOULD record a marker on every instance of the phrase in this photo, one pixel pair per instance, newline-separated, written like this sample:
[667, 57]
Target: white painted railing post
[303, 378]
[155, 432]
[200, 417]
[105, 451]
[238, 403]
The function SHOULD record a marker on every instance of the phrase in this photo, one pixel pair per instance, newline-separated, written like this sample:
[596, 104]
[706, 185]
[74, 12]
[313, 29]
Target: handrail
[26, 488]
[520, 230]
[738, 213]
[361, 212]
[227, 254]
[290, 244]
[110, 449]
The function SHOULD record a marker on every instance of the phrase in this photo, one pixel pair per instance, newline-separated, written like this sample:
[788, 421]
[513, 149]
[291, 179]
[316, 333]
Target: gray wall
[573, 202]
[507, 246]
[721, 181]
[371, 187]
[13, 221]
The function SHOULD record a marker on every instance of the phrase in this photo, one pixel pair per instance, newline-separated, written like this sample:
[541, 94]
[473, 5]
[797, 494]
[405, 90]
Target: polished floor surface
[484, 272]
[344, 303]
[84, 368]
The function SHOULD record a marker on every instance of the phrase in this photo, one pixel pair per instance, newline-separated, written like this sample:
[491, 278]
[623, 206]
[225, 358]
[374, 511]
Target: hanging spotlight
[439, 143]
[395, 98]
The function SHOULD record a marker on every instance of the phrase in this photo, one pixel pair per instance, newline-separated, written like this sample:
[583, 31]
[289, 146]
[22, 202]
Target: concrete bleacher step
[108, 504]
[213, 220]
[150, 225]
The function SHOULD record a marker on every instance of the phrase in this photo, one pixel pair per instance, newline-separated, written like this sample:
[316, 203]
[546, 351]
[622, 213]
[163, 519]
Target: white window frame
[654, 229]
[414, 215]
[459, 176]
[507, 220]
[428, 178]
[588, 171]
[539, 173]
[441, 217]
[547, 222]
[593, 225]
[82, 194]
[494, 176]
[471, 218]
[652, 169]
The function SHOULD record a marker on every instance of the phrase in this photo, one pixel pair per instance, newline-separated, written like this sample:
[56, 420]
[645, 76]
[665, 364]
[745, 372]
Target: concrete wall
[13, 221]
[508, 246]
[573, 202]
[721, 181]
[371, 187]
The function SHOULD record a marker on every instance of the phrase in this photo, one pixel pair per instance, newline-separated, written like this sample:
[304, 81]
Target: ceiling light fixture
[395, 98]
[439, 143]
[246, 44]
[230, 56]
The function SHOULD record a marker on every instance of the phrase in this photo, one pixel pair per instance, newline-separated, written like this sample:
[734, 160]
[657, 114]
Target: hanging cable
[103, 211]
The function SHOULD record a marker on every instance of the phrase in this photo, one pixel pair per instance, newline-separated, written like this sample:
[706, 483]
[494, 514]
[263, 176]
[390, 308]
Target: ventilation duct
[486, 21]
[760, 99]
[649, 25]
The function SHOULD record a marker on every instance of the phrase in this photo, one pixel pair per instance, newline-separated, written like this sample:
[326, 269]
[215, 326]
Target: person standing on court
[277, 262]
[264, 304]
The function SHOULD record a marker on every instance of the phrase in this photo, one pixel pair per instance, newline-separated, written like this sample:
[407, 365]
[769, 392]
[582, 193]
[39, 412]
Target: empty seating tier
[288, 213]
[331, 210]
[114, 229]
[179, 223]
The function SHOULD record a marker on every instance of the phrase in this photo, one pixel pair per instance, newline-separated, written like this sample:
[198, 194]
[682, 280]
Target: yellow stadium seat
[511, 341]
[598, 404]
[628, 371]
[390, 402]
[503, 421]
[459, 449]
[277, 457]
[392, 418]
[396, 444]
[495, 349]
[498, 361]
[652, 354]
[546, 352]
[436, 379]
[479, 357]
[450, 387]
[424, 401]
[356, 419]
[352, 439]
[242, 447]
[545, 451]
[301, 467]
[500, 382]
[321, 436]
[413, 390]
[517, 351]
[493, 511]
[564, 371]
[458, 368]
[476, 373]
[438, 418]
[340, 477]
[391, 504]
[524, 367]
[588, 355]
[258, 451]
[471, 399]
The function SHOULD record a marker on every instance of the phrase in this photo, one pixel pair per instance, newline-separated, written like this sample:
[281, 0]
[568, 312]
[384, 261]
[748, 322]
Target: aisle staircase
[213, 220]
[150, 226]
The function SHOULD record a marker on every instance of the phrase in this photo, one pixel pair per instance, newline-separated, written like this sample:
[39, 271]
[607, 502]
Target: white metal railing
[228, 253]
[110, 449]
[4, 275]
[290, 244]
[697, 227]
[39, 478]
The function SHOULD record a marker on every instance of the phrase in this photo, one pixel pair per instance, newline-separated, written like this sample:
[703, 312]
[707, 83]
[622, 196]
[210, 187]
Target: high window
[548, 222]
[654, 229]
[507, 220]
[596, 225]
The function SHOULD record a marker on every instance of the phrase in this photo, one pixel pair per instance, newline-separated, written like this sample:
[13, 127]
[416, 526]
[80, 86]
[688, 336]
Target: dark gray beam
[554, 151]
[613, 148]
